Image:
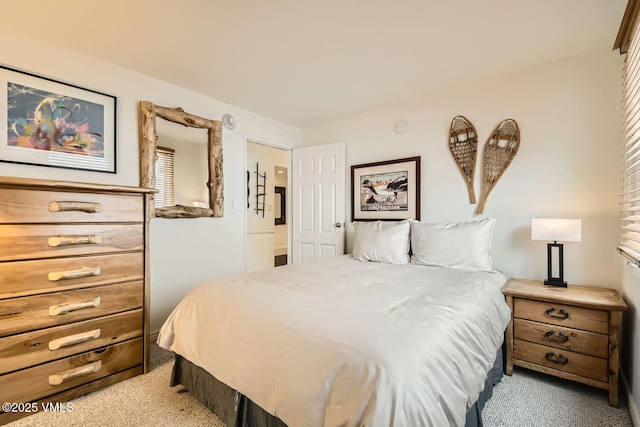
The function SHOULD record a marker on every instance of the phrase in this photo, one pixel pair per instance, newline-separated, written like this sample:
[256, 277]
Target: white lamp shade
[563, 230]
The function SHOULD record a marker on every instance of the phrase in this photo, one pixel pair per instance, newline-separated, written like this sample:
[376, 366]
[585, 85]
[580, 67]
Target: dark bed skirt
[237, 410]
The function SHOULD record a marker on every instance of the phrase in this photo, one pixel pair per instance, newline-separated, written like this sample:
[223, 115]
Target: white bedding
[340, 342]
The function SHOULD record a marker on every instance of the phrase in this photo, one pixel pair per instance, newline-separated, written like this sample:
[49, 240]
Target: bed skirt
[236, 410]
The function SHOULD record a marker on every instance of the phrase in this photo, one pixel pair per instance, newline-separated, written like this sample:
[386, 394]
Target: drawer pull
[74, 274]
[561, 337]
[74, 339]
[561, 314]
[559, 359]
[56, 310]
[90, 239]
[74, 373]
[88, 207]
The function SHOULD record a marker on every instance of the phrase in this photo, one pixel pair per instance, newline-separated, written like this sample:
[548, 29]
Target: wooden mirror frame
[148, 156]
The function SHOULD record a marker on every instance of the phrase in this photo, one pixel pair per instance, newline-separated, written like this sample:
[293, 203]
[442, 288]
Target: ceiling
[307, 62]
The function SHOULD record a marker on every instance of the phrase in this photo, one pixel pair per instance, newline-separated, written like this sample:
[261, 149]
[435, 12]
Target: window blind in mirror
[164, 177]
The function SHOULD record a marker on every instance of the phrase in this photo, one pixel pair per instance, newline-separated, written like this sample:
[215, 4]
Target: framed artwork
[50, 123]
[386, 190]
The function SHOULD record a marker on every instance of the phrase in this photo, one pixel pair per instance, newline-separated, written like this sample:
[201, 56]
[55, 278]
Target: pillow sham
[463, 245]
[382, 241]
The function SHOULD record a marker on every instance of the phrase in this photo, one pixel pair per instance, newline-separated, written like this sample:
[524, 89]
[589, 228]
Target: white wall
[567, 166]
[203, 248]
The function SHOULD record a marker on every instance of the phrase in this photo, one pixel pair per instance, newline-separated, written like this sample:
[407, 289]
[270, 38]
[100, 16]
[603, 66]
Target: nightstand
[571, 332]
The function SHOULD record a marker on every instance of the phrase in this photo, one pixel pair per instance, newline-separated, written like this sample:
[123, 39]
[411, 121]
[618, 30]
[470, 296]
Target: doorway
[268, 206]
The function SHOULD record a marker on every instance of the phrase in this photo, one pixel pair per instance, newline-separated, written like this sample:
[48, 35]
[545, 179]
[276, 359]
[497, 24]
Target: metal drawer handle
[559, 359]
[74, 373]
[74, 339]
[74, 274]
[90, 239]
[561, 314]
[562, 337]
[88, 207]
[56, 310]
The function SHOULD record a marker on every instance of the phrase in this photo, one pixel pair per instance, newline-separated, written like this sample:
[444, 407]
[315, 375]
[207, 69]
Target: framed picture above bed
[388, 190]
[56, 124]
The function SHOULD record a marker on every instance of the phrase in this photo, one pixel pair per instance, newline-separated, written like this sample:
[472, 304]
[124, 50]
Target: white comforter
[339, 342]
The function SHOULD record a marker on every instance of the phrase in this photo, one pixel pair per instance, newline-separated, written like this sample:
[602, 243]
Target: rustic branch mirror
[148, 156]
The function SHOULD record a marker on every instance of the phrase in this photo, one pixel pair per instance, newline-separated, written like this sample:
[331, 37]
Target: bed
[394, 334]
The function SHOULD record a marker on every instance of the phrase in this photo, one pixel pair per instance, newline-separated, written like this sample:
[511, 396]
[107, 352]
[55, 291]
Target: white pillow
[464, 245]
[382, 241]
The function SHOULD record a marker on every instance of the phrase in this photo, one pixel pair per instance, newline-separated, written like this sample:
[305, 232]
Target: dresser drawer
[42, 311]
[20, 242]
[562, 315]
[53, 377]
[44, 345]
[21, 278]
[567, 361]
[576, 340]
[35, 206]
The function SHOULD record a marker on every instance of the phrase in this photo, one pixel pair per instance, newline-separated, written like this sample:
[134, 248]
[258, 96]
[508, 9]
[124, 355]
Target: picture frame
[46, 122]
[388, 190]
[280, 205]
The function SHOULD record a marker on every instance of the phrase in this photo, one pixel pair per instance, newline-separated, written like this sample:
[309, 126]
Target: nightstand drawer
[575, 340]
[20, 242]
[34, 206]
[562, 315]
[567, 361]
[37, 347]
[53, 377]
[42, 311]
[22, 278]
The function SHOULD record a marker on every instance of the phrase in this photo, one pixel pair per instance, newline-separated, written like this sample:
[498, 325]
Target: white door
[318, 184]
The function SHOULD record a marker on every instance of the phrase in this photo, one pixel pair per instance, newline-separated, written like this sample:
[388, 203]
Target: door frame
[257, 140]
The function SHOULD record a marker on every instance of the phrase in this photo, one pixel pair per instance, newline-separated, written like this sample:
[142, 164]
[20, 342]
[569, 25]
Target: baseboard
[153, 336]
[631, 402]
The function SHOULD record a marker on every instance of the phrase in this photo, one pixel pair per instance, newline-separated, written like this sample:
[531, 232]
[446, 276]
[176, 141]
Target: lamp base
[552, 280]
[557, 283]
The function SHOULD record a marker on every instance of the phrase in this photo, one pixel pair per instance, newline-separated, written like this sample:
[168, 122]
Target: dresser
[571, 332]
[74, 290]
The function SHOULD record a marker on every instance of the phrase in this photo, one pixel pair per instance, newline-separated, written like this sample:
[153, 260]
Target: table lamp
[565, 230]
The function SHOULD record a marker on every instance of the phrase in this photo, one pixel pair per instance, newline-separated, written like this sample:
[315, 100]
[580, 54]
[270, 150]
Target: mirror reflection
[190, 168]
[189, 157]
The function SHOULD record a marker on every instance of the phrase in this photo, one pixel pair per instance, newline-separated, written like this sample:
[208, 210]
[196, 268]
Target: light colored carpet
[145, 400]
[525, 399]
[532, 399]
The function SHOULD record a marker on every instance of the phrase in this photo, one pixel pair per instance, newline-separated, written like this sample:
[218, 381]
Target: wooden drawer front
[579, 364]
[21, 278]
[565, 338]
[562, 315]
[34, 206]
[37, 347]
[42, 311]
[53, 377]
[18, 242]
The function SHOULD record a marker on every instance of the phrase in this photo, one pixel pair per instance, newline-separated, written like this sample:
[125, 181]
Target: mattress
[343, 342]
